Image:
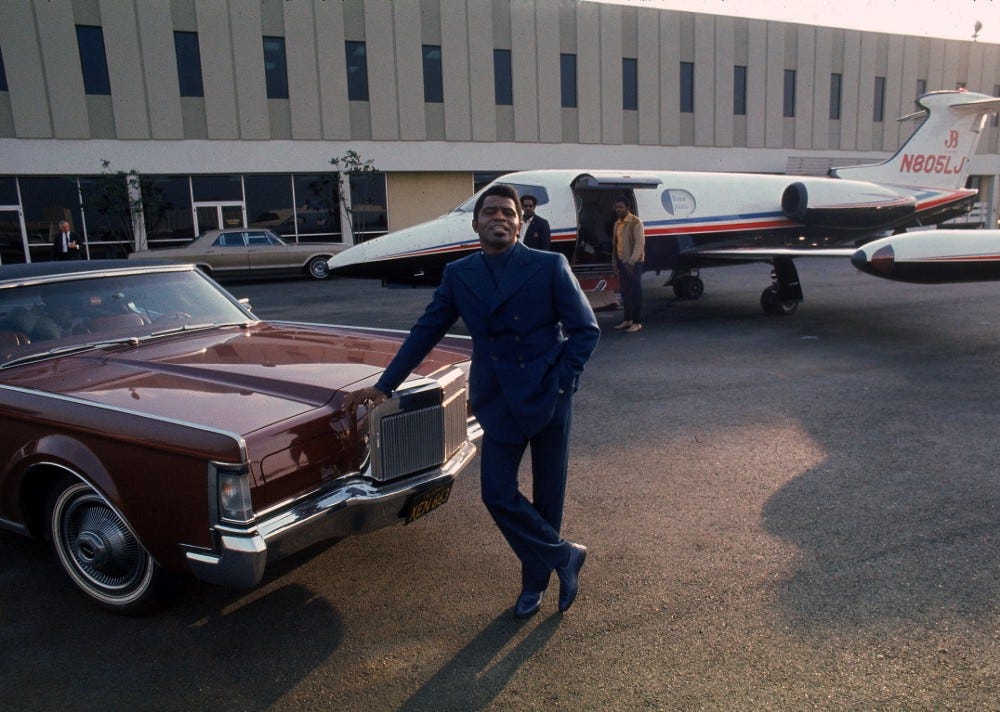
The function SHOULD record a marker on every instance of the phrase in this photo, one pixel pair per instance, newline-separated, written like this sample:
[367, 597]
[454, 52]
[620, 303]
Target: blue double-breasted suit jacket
[531, 335]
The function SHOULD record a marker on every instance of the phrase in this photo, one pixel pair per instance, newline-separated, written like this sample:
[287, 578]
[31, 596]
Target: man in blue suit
[532, 332]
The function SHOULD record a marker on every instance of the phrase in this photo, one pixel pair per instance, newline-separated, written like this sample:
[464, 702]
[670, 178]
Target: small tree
[350, 164]
[125, 202]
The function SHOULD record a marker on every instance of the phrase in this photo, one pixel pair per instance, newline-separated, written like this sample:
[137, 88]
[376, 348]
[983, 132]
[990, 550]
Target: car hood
[238, 379]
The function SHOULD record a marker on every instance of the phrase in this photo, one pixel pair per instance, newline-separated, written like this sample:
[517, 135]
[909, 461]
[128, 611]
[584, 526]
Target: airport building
[239, 112]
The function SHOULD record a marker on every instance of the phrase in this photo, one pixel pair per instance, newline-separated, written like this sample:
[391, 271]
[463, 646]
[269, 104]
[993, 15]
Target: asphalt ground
[782, 513]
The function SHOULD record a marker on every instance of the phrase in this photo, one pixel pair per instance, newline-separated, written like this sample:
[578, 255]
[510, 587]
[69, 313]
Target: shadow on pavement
[480, 671]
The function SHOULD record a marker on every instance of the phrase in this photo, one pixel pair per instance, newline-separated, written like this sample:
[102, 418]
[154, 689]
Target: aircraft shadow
[899, 521]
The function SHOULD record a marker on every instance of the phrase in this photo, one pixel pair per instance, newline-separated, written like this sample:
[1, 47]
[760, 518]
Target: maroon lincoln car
[151, 424]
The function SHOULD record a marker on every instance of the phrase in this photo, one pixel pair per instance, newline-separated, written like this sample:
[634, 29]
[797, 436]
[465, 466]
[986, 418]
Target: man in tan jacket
[629, 253]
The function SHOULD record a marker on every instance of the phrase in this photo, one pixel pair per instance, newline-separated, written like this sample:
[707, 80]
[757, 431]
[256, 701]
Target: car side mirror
[245, 303]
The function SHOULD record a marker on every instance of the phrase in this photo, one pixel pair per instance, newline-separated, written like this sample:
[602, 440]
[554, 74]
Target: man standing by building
[532, 332]
[64, 243]
[628, 254]
[535, 230]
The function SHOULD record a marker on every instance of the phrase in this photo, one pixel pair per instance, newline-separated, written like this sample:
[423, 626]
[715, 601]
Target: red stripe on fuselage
[961, 258]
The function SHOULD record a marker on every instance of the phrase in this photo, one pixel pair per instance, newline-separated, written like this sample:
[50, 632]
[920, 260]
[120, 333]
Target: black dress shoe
[569, 576]
[528, 603]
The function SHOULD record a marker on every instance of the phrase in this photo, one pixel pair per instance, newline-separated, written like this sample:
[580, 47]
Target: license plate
[420, 504]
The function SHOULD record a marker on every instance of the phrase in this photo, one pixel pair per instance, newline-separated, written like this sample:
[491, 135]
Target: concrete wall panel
[455, 70]
[383, 95]
[216, 47]
[28, 92]
[128, 89]
[248, 63]
[60, 56]
[159, 69]
[301, 45]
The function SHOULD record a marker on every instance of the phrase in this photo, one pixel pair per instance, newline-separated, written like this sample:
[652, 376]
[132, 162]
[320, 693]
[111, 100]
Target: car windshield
[38, 318]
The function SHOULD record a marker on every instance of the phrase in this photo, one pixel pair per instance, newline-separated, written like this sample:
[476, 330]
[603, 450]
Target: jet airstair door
[609, 180]
[594, 195]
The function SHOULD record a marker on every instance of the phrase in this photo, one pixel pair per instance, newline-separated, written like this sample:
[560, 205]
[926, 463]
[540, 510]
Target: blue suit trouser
[531, 527]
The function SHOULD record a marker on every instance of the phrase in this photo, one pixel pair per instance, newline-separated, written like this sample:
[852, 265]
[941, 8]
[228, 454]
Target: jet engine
[834, 205]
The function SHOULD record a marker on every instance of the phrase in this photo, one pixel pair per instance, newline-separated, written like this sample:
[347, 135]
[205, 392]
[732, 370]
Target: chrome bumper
[341, 510]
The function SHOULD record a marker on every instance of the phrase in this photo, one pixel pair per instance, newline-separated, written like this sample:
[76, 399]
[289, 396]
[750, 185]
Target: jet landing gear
[688, 285]
[783, 296]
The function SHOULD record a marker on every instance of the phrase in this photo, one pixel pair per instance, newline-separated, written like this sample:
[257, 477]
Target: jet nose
[880, 263]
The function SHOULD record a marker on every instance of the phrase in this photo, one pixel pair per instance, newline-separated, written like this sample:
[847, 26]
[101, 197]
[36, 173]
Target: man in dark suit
[532, 332]
[65, 245]
[535, 229]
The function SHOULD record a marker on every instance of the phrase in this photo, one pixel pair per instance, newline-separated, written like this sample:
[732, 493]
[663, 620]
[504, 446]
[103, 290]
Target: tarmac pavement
[781, 513]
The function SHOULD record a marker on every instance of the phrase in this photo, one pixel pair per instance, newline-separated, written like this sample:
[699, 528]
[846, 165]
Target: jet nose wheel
[689, 287]
[772, 304]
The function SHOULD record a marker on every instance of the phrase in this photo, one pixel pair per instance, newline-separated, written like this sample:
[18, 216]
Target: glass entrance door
[214, 216]
[13, 245]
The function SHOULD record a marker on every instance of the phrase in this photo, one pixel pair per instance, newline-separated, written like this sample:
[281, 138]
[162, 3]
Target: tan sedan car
[242, 251]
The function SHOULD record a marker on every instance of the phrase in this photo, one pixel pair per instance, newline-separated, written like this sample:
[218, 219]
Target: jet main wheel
[689, 287]
[318, 268]
[99, 552]
[771, 304]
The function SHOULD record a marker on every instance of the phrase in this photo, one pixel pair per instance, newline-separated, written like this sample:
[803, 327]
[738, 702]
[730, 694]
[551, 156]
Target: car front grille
[420, 427]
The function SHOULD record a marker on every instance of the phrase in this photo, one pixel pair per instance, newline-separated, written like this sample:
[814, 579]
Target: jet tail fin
[937, 153]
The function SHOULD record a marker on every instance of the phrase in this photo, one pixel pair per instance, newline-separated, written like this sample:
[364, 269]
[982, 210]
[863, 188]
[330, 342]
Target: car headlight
[233, 486]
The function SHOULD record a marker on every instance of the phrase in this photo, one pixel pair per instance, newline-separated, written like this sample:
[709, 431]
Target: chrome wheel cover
[318, 268]
[97, 549]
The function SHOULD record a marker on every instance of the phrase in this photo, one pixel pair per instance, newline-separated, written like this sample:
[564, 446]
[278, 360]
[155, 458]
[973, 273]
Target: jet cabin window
[678, 203]
[541, 196]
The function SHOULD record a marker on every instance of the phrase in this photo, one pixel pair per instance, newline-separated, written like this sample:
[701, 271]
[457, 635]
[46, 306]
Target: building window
[269, 203]
[188, 63]
[44, 202]
[174, 222]
[630, 84]
[996, 117]
[368, 213]
[836, 82]
[93, 61]
[687, 87]
[317, 206]
[739, 91]
[357, 71]
[567, 73]
[433, 80]
[503, 78]
[878, 105]
[3, 75]
[275, 68]
[789, 103]
[8, 192]
[217, 188]
[921, 87]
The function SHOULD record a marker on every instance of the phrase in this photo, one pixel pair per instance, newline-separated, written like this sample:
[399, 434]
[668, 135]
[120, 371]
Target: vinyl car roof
[37, 270]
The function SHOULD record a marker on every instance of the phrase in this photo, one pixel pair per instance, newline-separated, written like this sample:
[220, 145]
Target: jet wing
[763, 254]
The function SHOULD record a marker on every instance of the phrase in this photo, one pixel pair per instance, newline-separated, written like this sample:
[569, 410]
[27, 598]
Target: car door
[229, 252]
[267, 252]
